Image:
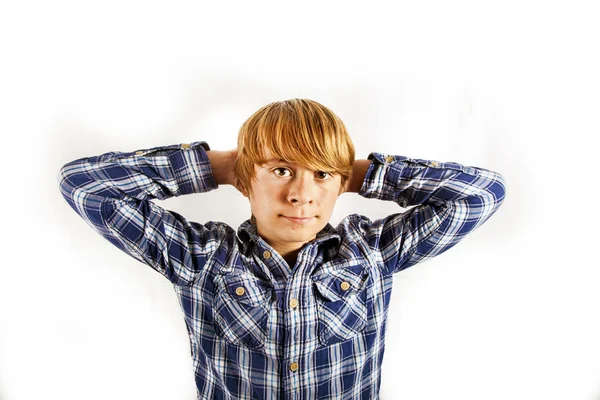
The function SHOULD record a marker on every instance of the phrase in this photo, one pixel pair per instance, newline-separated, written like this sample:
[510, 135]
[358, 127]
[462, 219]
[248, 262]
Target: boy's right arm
[112, 193]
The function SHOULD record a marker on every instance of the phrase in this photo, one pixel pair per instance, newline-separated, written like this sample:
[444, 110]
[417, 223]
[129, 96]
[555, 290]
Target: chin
[303, 235]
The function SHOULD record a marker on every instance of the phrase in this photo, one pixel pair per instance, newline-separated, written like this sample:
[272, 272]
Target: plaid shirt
[259, 329]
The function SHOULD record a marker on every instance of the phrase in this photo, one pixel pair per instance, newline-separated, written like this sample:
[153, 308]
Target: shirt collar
[248, 235]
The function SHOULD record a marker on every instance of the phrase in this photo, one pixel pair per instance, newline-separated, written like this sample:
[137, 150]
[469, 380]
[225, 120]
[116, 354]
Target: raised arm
[221, 163]
[112, 193]
[451, 200]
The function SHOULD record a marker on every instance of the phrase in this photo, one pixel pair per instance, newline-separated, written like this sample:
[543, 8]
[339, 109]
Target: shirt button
[345, 286]
[185, 146]
[389, 159]
[434, 164]
[240, 291]
[139, 152]
[267, 254]
[294, 367]
[294, 303]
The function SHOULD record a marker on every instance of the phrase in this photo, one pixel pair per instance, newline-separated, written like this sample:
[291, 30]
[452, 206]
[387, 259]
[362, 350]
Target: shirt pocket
[241, 309]
[340, 295]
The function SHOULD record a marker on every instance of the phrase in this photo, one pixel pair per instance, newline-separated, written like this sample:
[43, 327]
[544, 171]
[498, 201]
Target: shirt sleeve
[112, 193]
[451, 200]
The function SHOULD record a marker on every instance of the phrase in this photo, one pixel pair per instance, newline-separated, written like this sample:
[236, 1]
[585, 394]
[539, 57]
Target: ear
[342, 189]
[240, 187]
[244, 191]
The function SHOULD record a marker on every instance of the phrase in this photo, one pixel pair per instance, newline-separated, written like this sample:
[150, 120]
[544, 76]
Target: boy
[288, 306]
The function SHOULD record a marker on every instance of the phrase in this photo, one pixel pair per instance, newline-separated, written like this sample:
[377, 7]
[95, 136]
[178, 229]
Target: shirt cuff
[192, 169]
[382, 177]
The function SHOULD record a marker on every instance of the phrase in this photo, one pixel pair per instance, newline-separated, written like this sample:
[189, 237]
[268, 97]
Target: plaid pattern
[258, 328]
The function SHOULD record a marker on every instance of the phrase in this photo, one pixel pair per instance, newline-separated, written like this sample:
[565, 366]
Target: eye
[322, 175]
[283, 172]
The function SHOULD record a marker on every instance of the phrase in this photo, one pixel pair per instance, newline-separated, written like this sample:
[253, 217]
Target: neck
[290, 258]
[288, 252]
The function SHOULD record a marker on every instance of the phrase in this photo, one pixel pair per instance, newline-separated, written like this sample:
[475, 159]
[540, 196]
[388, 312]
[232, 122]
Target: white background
[512, 312]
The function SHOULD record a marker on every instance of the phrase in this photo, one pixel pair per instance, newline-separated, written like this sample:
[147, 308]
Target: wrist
[222, 163]
[359, 171]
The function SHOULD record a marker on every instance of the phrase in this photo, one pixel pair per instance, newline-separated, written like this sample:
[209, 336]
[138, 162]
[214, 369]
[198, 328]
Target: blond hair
[297, 131]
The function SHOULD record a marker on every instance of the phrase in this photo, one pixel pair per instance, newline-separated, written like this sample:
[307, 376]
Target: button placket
[292, 324]
[294, 305]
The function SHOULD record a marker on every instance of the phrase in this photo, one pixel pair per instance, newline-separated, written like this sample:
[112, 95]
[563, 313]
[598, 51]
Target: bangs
[302, 132]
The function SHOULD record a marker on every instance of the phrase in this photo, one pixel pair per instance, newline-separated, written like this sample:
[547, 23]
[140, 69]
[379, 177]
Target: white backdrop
[509, 313]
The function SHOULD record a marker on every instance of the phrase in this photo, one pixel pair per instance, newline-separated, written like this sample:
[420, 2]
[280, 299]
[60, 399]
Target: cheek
[261, 203]
[328, 199]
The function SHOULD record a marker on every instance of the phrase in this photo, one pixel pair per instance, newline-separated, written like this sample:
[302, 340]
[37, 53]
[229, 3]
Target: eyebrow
[279, 160]
[275, 161]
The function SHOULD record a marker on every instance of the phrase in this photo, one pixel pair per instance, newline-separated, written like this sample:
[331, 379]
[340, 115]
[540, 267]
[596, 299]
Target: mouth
[298, 220]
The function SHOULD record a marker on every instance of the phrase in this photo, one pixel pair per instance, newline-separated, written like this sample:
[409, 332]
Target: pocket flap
[247, 289]
[341, 283]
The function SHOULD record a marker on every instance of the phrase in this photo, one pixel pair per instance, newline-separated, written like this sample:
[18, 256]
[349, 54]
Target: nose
[301, 189]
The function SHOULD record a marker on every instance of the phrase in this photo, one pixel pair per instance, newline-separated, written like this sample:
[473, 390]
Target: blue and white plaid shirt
[259, 329]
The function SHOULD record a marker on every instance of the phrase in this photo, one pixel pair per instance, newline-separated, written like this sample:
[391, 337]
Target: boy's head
[293, 159]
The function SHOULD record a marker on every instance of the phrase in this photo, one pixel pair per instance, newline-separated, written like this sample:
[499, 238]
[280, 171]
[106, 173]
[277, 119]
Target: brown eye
[323, 175]
[281, 172]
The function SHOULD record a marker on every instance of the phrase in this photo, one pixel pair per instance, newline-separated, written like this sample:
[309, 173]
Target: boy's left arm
[451, 201]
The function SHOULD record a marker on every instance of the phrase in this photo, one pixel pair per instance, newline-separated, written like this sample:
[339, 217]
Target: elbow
[498, 189]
